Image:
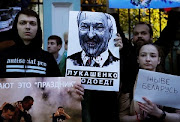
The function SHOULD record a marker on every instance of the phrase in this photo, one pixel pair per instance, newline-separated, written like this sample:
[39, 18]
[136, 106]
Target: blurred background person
[54, 45]
[62, 64]
[6, 112]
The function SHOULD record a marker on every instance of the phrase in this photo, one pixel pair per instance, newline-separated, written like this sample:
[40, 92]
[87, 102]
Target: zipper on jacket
[25, 67]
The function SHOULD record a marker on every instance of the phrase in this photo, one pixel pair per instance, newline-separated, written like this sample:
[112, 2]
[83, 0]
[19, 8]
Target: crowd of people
[27, 59]
[18, 111]
[145, 54]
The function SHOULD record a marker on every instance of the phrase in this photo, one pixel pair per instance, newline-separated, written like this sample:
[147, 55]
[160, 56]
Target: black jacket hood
[36, 43]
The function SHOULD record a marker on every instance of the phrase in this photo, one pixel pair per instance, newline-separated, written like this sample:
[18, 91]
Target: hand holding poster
[46, 98]
[92, 54]
[161, 89]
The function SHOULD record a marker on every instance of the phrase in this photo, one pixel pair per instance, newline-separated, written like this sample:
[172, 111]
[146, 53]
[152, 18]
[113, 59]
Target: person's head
[60, 109]
[27, 102]
[149, 57]
[66, 40]
[8, 111]
[54, 44]
[95, 31]
[27, 29]
[142, 33]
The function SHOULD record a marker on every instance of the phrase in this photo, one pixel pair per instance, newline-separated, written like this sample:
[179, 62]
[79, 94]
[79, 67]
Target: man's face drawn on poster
[95, 31]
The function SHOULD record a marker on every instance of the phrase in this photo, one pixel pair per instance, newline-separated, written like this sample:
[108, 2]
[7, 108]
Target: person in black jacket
[26, 58]
[22, 108]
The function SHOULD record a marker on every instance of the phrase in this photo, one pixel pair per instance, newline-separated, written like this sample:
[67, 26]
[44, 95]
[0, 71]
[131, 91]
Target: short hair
[38, 36]
[57, 38]
[109, 21]
[27, 99]
[60, 107]
[9, 107]
[28, 12]
[149, 26]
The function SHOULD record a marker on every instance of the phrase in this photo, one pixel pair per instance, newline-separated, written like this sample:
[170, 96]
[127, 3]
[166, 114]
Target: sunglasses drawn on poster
[94, 54]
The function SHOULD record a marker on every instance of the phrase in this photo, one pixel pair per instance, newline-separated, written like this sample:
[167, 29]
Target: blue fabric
[144, 3]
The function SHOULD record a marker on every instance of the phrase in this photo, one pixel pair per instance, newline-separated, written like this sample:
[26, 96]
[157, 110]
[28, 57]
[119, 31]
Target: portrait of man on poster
[94, 31]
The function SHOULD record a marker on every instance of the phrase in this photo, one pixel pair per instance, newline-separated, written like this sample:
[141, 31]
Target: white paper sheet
[162, 89]
[94, 78]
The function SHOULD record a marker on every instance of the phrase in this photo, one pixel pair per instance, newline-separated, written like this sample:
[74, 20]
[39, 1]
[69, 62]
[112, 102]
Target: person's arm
[128, 118]
[80, 91]
[77, 92]
[153, 110]
[66, 115]
[118, 41]
[56, 114]
[124, 109]
[172, 117]
[63, 113]
[1, 108]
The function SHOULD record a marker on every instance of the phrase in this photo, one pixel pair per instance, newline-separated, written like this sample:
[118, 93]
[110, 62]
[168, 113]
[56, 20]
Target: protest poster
[48, 93]
[91, 51]
[161, 89]
[143, 4]
[7, 17]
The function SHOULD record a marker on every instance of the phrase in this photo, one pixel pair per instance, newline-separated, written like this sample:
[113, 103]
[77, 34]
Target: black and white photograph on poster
[92, 54]
[7, 17]
[40, 99]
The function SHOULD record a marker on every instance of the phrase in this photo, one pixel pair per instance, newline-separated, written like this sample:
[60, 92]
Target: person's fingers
[143, 107]
[4, 104]
[148, 101]
[118, 39]
[121, 45]
[81, 98]
[79, 92]
[118, 35]
[80, 89]
[146, 106]
[118, 43]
